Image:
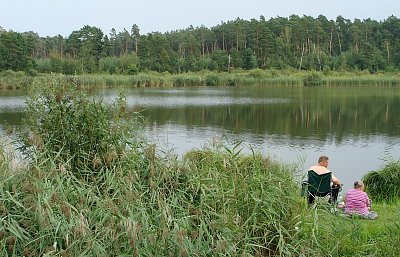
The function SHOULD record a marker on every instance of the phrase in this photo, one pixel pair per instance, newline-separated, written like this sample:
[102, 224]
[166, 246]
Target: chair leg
[334, 194]
[310, 198]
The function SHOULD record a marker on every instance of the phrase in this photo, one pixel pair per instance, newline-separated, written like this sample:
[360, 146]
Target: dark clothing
[334, 193]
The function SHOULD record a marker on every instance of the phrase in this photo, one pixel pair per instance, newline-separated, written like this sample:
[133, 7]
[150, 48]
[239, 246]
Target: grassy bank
[214, 203]
[93, 187]
[18, 80]
[332, 235]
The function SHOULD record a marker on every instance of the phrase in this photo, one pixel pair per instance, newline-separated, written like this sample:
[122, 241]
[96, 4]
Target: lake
[358, 128]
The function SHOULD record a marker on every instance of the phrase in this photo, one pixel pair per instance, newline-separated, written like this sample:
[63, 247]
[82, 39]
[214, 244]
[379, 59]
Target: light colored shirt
[356, 202]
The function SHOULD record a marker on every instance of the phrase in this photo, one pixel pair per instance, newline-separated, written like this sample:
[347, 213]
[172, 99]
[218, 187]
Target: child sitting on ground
[357, 202]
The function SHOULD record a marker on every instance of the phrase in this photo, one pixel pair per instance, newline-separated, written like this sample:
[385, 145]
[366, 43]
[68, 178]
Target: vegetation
[72, 129]
[384, 184]
[92, 193]
[300, 43]
[103, 194]
[332, 235]
[21, 80]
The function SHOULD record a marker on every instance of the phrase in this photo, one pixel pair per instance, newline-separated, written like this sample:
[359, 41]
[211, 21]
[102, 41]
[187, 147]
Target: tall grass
[12, 80]
[74, 130]
[150, 207]
[384, 184]
[247, 196]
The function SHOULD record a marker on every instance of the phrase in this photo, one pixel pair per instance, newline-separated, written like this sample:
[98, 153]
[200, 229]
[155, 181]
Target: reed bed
[19, 80]
[10, 80]
[149, 207]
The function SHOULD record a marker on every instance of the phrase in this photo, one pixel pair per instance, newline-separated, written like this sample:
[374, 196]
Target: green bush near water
[384, 184]
[75, 130]
[313, 79]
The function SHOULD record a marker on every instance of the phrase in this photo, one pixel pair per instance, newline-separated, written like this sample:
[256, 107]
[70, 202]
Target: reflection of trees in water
[360, 116]
[317, 113]
[11, 118]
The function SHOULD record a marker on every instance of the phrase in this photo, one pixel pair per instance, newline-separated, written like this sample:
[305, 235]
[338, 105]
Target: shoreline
[19, 80]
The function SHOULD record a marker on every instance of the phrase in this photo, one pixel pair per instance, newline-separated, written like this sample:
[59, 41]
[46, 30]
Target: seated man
[322, 168]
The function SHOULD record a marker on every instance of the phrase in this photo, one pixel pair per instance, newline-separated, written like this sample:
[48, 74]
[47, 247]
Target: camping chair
[320, 186]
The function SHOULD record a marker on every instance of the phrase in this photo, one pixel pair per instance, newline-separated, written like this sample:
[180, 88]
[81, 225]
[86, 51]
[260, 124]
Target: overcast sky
[53, 17]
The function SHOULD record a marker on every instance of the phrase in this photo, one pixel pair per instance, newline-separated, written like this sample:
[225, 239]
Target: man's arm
[335, 180]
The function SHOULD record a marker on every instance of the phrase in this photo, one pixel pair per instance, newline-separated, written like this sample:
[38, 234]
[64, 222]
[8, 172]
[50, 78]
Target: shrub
[83, 134]
[312, 79]
[212, 80]
[384, 185]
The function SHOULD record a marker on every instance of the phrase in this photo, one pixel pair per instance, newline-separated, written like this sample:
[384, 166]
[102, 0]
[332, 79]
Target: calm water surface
[358, 128]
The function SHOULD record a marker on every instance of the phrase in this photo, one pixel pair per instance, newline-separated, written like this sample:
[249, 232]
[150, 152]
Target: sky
[53, 17]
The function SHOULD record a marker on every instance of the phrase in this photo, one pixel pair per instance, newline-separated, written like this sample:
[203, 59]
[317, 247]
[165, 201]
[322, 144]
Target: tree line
[303, 43]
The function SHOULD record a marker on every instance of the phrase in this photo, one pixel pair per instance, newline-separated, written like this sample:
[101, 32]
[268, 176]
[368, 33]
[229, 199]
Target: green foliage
[214, 203]
[72, 129]
[241, 44]
[129, 64]
[109, 65]
[312, 79]
[219, 60]
[384, 185]
[249, 59]
[326, 234]
[15, 80]
[257, 74]
[252, 196]
[212, 80]
[13, 52]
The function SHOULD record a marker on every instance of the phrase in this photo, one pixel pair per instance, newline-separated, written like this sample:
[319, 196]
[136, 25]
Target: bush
[212, 80]
[313, 79]
[83, 134]
[384, 185]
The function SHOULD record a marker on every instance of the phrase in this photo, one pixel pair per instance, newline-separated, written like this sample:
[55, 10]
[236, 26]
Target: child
[357, 202]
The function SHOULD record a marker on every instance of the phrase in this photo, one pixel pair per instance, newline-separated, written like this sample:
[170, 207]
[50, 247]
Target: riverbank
[102, 192]
[216, 202]
[335, 235]
[19, 80]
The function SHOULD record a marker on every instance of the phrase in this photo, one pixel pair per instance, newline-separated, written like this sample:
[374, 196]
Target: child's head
[359, 185]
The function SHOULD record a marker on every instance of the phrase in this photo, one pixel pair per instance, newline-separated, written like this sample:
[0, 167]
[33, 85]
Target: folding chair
[320, 186]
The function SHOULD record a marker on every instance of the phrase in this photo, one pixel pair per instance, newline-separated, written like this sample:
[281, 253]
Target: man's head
[323, 161]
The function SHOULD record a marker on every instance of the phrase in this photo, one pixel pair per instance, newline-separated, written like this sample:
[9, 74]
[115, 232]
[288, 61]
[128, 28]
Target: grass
[384, 184]
[71, 200]
[150, 206]
[343, 236]
[18, 80]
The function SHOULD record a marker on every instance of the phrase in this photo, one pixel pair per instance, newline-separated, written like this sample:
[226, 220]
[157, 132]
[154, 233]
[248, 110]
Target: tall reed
[19, 80]
[77, 131]
[384, 184]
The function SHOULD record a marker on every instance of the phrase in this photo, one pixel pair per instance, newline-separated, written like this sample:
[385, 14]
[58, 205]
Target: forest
[300, 43]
